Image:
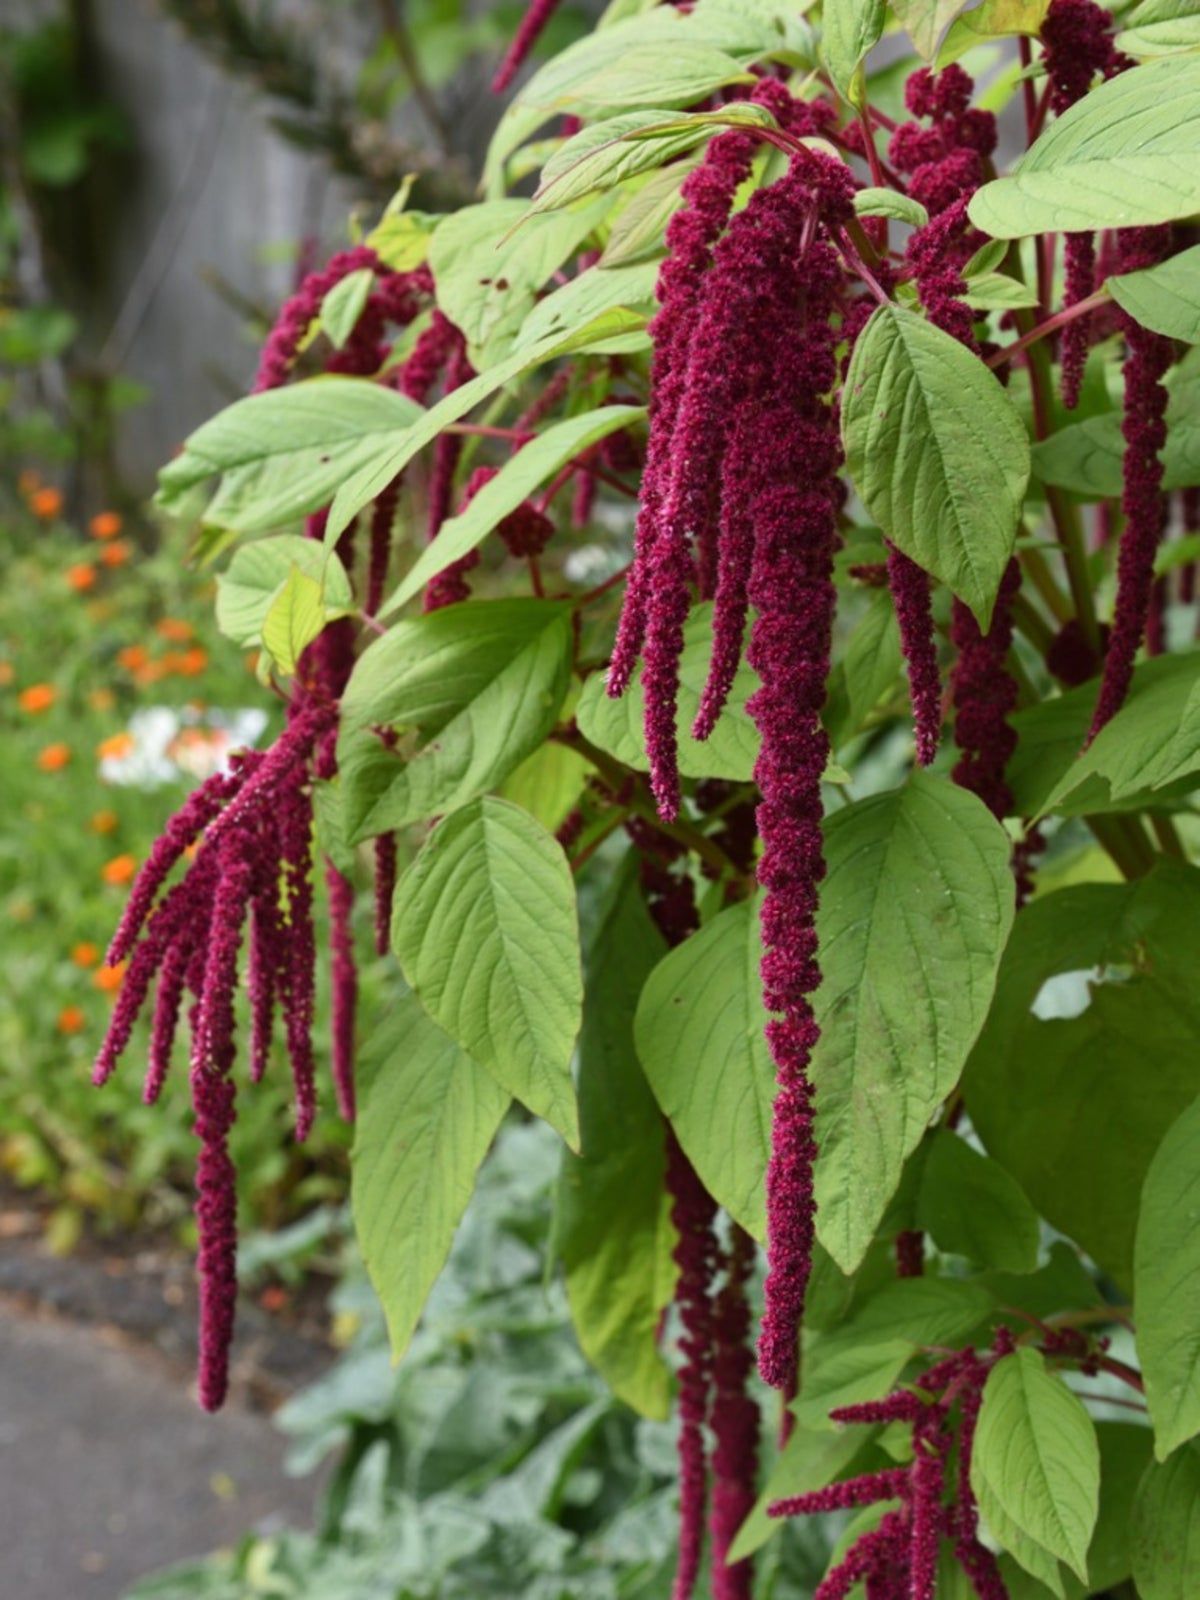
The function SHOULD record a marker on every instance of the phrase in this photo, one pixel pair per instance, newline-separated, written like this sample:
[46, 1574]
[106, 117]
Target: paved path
[108, 1470]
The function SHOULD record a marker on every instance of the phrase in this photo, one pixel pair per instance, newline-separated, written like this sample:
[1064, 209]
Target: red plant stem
[868, 134]
[1001, 358]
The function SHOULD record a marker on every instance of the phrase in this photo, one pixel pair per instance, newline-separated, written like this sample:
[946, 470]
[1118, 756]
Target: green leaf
[285, 452]
[590, 294]
[872, 659]
[920, 1311]
[1152, 742]
[427, 1117]
[1165, 298]
[994, 19]
[483, 683]
[294, 618]
[518, 477]
[972, 1207]
[343, 305]
[485, 930]
[614, 1226]
[548, 783]
[915, 910]
[254, 577]
[1166, 1529]
[1126, 155]
[936, 451]
[926, 20]
[605, 154]
[608, 332]
[841, 1373]
[637, 231]
[699, 1032]
[850, 31]
[1035, 1464]
[1158, 27]
[616, 725]
[1088, 1053]
[488, 276]
[888, 203]
[1166, 1284]
[996, 291]
[329, 820]
[621, 73]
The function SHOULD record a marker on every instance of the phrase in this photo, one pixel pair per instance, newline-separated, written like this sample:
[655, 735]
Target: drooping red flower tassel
[984, 696]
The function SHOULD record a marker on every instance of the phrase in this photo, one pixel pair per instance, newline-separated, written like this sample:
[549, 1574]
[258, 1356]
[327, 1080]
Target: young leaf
[1088, 1053]
[294, 618]
[970, 1206]
[284, 453]
[616, 725]
[518, 477]
[1126, 155]
[699, 1032]
[899, 1008]
[427, 1117]
[1036, 1462]
[343, 305]
[850, 32]
[605, 153]
[936, 451]
[1166, 1284]
[888, 203]
[926, 20]
[485, 930]
[483, 684]
[253, 578]
[488, 275]
[613, 1225]
[1166, 297]
[1166, 1529]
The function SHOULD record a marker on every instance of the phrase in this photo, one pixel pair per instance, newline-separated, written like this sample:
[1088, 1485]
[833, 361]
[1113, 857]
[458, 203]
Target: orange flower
[46, 503]
[85, 954]
[116, 747]
[102, 699]
[28, 481]
[38, 697]
[105, 525]
[119, 870]
[54, 757]
[149, 672]
[104, 822]
[71, 1020]
[191, 663]
[116, 555]
[109, 979]
[81, 577]
[173, 629]
[133, 656]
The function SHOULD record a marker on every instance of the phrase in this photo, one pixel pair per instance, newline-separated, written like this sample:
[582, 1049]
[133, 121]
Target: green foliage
[1166, 1538]
[1164, 297]
[936, 451]
[260, 572]
[485, 931]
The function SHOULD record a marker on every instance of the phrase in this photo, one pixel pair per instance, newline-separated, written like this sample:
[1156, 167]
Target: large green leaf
[590, 294]
[258, 571]
[613, 1224]
[915, 911]
[992, 19]
[1125, 155]
[1035, 1464]
[518, 477]
[1152, 742]
[1166, 297]
[809, 1461]
[699, 1032]
[925, 21]
[488, 270]
[616, 725]
[428, 1113]
[851, 30]
[1086, 457]
[1157, 27]
[485, 929]
[482, 683]
[937, 452]
[1166, 1528]
[1090, 1049]
[971, 1206]
[608, 332]
[284, 453]
[1166, 1284]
